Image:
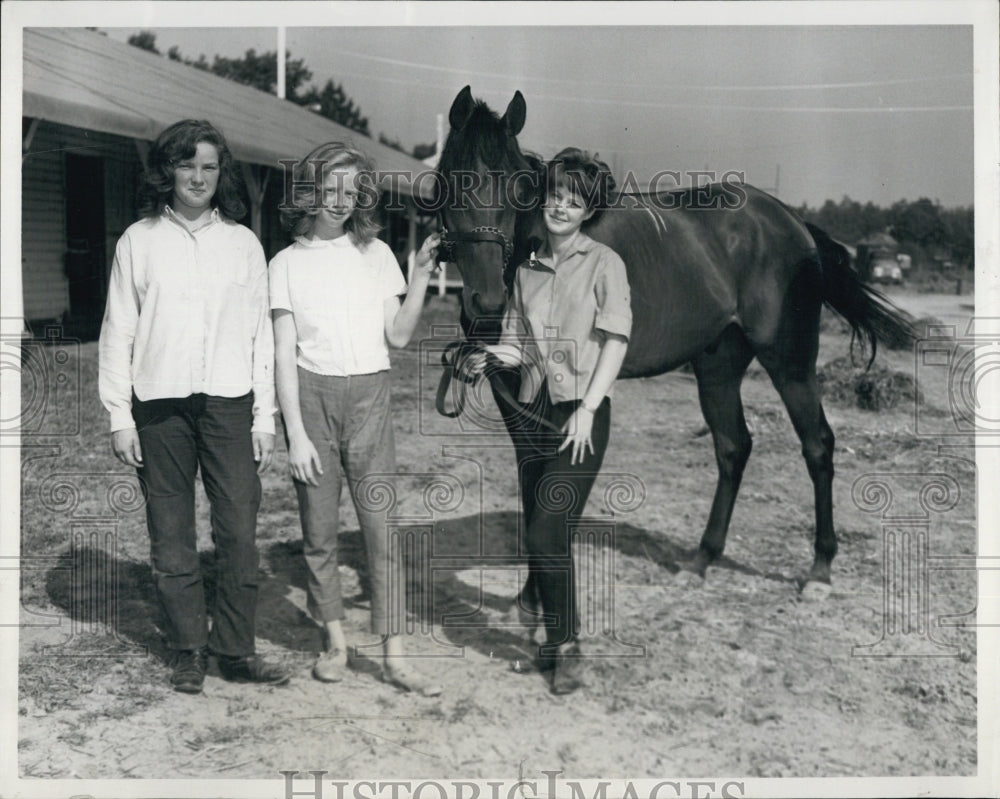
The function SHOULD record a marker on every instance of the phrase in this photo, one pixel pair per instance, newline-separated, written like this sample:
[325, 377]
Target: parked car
[886, 270]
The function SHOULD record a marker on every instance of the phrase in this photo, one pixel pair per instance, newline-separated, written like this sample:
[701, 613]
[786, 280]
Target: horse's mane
[483, 140]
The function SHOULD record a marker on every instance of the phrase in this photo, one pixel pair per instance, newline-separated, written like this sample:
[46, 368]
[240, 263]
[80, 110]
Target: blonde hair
[309, 175]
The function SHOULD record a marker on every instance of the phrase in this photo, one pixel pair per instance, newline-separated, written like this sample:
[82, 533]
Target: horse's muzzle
[476, 305]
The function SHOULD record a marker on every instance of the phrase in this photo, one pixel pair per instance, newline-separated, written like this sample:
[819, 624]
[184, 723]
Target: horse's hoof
[814, 591]
[686, 578]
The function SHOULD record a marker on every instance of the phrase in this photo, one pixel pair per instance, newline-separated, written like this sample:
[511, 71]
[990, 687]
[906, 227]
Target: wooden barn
[91, 108]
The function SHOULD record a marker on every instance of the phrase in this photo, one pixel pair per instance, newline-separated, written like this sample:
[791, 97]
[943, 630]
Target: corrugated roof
[82, 78]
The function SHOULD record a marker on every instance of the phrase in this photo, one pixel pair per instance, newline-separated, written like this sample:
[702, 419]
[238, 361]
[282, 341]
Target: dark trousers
[177, 436]
[553, 495]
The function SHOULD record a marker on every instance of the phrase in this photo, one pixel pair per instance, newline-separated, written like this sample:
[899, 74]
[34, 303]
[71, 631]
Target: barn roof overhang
[82, 78]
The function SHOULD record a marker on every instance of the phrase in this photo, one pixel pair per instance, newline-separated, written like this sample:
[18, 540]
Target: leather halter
[483, 233]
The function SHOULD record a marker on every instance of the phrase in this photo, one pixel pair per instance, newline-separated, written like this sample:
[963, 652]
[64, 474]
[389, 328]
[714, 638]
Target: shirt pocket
[233, 272]
[224, 259]
[166, 274]
[230, 290]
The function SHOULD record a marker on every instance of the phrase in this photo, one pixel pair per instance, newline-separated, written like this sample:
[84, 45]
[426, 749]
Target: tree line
[924, 229]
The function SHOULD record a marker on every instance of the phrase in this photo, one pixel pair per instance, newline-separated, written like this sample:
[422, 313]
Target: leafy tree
[144, 40]
[422, 151]
[959, 225]
[333, 103]
[919, 222]
[873, 219]
[395, 144]
[260, 70]
[174, 54]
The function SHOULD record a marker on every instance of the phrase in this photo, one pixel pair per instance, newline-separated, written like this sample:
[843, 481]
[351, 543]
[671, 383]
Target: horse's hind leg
[720, 372]
[795, 379]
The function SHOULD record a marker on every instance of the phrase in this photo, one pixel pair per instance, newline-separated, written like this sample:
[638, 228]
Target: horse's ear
[461, 109]
[514, 116]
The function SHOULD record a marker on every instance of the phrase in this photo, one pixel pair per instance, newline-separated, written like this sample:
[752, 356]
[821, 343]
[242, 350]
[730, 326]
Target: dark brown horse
[719, 275]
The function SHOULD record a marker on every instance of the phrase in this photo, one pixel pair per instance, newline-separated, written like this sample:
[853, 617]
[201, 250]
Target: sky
[878, 113]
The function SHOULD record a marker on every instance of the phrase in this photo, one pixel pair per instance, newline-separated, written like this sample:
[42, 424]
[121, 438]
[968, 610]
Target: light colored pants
[349, 421]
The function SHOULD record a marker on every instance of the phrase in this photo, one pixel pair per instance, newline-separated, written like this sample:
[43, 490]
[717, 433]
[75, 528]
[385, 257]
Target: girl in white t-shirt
[336, 310]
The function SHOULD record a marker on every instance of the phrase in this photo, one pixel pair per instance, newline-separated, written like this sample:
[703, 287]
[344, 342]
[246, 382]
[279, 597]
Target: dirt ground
[736, 676]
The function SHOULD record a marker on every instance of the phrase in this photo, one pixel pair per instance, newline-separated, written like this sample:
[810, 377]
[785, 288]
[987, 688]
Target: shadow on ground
[447, 571]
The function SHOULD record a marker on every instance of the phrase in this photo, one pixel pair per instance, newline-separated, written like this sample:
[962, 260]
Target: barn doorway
[85, 259]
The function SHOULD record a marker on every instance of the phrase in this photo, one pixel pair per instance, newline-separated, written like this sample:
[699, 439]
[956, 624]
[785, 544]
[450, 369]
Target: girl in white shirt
[336, 310]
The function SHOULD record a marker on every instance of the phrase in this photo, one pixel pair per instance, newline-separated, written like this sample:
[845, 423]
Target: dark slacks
[554, 494]
[177, 437]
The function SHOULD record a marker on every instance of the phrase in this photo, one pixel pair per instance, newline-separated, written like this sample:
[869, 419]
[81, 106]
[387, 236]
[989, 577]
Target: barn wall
[43, 214]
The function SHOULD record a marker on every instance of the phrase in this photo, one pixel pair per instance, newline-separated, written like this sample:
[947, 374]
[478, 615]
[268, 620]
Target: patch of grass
[101, 688]
[928, 282]
[878, 388]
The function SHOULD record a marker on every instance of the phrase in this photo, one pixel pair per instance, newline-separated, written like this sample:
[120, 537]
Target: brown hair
[583, 174]
[177, 143]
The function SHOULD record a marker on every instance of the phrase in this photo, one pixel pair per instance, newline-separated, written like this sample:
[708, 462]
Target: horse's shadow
[451, 585]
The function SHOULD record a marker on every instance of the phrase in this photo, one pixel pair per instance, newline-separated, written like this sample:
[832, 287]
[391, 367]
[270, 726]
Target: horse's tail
[869, 312]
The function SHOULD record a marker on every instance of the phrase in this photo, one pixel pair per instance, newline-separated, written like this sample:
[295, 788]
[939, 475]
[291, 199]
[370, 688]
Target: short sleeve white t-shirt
[337, 294]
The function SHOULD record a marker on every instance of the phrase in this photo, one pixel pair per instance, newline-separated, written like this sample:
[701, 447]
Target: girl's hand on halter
[577, 430]
[426, 263]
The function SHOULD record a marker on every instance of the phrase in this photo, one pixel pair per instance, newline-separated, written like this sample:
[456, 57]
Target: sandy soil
[736, 676]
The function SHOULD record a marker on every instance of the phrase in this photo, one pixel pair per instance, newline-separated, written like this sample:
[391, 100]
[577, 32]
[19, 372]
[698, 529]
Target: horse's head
[488, 185]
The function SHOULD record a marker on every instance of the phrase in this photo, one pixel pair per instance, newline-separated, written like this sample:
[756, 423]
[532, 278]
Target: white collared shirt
[187, 313]
[337, 294]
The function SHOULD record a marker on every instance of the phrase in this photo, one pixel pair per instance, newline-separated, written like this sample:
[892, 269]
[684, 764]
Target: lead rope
[452, 369]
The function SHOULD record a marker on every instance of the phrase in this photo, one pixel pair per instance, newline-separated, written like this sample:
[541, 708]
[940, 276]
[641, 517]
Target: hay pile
[876, 389]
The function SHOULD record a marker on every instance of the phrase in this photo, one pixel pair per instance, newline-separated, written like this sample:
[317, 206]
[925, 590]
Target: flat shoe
[252, 668]
[411, 680]
[330, 666]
